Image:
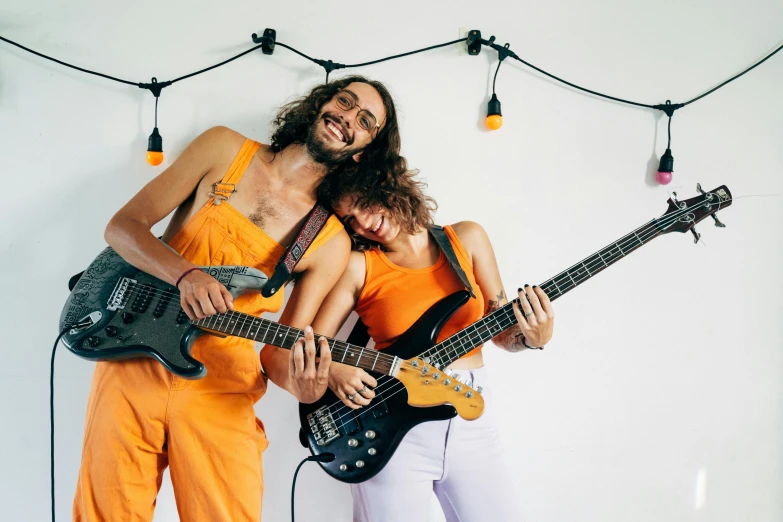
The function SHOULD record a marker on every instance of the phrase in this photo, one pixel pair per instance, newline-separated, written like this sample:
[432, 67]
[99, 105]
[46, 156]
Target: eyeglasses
[346, 100]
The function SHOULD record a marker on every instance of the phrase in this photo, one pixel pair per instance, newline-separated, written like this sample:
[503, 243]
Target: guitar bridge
[323, 426]
[117, 297]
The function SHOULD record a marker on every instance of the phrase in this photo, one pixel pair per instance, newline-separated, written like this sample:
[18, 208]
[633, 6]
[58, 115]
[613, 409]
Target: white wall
[664, 369]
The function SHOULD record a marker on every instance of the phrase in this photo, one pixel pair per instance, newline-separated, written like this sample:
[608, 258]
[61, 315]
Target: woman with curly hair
[396, 272]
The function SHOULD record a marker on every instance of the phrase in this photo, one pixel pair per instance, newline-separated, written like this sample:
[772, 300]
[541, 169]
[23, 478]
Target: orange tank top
[394, 297]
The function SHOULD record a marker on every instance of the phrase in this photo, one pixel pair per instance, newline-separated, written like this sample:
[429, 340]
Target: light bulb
[154, 157]
[665, 168]
[155, 148]
[494, 116]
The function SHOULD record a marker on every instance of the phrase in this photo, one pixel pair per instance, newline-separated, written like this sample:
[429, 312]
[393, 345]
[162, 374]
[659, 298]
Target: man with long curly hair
[234, 202]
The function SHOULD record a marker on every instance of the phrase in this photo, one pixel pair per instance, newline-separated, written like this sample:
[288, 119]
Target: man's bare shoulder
[212, 152]
[220, 140]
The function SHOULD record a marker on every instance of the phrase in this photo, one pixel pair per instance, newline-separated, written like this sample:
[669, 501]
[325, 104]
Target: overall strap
[443, 241]
[222, 190]
[285, 267]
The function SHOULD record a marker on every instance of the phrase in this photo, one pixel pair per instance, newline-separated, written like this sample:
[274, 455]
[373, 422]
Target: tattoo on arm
[512, 339]
[494, 305]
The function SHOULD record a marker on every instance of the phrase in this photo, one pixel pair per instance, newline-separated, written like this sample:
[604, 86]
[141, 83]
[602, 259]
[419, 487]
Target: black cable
[633, 102]
[84, 322]
[67, 64]
[51, 410]
[323, 457]
[408, 53]
[217, 64]
[293, 487]
[669, 143]
[329, 66]
[735, 77]
[303, 55]
[517, 58]
[496, 76]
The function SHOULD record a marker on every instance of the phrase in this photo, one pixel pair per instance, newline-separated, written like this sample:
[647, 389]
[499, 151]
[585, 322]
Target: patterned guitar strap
[359, 335]
[285, 267]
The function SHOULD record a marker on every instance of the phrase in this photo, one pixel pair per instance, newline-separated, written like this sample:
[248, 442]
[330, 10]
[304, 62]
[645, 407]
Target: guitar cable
[323, 457]
[85, 322]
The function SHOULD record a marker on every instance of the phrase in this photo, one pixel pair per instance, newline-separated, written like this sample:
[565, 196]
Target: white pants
[461, 461]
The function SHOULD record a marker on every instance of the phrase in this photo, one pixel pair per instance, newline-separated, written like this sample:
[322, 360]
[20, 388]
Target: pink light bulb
[663, 177]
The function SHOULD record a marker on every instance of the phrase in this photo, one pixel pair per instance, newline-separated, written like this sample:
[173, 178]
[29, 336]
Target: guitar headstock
[682, 216]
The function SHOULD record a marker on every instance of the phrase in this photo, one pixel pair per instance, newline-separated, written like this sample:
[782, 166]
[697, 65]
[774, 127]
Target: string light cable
[268, 41]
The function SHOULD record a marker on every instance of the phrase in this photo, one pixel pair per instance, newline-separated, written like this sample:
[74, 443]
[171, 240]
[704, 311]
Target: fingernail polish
[519, 289]
[535, 286]
[526, 285]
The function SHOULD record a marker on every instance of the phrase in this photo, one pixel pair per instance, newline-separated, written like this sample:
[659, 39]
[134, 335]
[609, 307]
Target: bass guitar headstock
[682, 216]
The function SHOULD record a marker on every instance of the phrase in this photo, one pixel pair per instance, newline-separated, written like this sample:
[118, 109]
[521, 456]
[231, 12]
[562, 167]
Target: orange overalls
[141, 418]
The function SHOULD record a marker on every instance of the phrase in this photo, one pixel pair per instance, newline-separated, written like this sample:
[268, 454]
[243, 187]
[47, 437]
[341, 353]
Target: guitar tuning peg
[700, 190]
[696, 235]
[718, 222]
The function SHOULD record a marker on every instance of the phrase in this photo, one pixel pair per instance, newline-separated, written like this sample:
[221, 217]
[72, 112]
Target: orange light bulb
[494, 121]
[155, 148]
[154, 157]
[494, 116]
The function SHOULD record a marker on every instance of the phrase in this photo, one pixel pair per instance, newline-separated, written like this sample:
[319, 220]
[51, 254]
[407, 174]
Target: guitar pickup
[379, 409]
[351, 425]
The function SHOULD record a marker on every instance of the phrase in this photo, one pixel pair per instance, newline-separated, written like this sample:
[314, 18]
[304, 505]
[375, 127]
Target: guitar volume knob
[127, 317]
[372, 451]
[353, 443]
[369, 434]
[93, 341]
[359, 463]
[111, 331]
[343, 467]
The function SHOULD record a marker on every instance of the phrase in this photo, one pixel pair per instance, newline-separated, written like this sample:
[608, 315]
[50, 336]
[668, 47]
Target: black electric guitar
[116, 311]
[364, 440]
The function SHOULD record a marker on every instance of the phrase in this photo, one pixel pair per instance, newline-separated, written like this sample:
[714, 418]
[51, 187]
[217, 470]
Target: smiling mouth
[335, 130]
[377, 226]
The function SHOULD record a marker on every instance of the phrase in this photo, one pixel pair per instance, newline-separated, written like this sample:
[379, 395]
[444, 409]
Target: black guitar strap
[448, 249]
[285, 267]
[359, 335]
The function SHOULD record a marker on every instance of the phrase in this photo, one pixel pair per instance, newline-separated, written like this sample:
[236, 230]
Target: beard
[322, 154]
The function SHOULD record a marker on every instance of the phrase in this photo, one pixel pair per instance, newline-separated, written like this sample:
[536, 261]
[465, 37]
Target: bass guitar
[364, 440]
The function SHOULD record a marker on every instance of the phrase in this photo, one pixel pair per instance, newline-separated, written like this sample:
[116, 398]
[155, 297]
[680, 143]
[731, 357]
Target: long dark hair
[294, 119]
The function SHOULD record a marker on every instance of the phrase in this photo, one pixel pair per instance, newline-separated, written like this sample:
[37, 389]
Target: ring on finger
[528, 314]
[351, 396]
